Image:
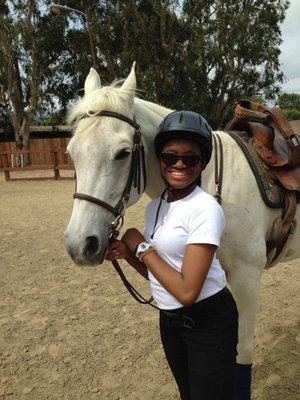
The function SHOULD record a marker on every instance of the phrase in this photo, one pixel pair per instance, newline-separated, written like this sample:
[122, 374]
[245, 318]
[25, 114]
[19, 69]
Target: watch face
[142, 247]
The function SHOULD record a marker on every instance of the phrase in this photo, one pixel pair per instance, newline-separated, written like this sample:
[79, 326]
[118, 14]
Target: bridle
[136, 171]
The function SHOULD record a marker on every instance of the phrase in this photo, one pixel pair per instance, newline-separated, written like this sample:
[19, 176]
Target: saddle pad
[271, 192]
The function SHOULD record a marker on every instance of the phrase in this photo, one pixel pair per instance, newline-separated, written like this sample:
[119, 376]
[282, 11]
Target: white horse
[100, 149]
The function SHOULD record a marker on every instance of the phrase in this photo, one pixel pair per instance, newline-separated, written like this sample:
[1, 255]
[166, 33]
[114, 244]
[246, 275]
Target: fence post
[5, 165]
[21, 160]
[56, 170]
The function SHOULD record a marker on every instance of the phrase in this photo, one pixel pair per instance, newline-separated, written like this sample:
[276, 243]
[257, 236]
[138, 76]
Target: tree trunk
[21, 129]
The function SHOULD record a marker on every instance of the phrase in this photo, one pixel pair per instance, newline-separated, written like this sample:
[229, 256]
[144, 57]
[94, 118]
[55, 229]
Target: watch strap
[144, 253]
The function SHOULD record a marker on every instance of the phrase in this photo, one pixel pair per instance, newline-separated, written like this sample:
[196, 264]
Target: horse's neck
[160, 111]
[149, 116]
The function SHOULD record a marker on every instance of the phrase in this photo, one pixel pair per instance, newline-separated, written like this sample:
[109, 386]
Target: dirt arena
[74, 333]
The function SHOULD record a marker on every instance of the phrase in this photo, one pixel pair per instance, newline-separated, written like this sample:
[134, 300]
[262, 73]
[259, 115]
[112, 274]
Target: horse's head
[101, 149]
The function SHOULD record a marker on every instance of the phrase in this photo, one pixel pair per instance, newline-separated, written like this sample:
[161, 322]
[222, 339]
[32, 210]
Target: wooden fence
[40, 151]
[43, 154]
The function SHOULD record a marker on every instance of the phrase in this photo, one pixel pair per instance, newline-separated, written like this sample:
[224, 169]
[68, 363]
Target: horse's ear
[92, 82]
[130, 82]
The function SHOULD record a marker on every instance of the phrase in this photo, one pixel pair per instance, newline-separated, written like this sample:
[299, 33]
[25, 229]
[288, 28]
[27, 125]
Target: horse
[101, 148]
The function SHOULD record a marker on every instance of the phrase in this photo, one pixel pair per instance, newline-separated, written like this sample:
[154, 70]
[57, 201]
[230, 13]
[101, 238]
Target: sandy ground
[71, 333]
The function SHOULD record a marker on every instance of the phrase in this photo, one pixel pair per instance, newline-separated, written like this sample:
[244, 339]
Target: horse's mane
[111, 98]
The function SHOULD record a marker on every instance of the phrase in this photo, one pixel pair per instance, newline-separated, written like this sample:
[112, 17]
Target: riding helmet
[184, 125]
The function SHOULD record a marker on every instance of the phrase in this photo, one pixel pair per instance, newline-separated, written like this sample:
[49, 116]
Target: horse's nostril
[91, 246]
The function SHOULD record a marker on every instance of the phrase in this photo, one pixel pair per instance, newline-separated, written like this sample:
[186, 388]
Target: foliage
[30, 50]
[289, 100]
[50, 119]
[290, 103]
[292, 114]
[195, 54]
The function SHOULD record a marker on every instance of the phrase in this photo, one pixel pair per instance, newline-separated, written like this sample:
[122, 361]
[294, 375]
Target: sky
[290, 48]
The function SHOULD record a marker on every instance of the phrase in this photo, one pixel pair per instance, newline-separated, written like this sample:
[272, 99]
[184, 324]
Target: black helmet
[184, 125]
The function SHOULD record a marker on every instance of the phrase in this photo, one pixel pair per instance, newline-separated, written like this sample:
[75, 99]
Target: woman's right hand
[117, 249]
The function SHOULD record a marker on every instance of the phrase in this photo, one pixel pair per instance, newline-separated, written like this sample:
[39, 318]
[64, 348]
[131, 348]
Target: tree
[236, 43]
[29, 55]
[289, 100]
[290, 104]
[196, 54]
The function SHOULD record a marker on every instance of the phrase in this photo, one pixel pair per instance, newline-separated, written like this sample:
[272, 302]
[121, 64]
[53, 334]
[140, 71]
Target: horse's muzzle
[89, 251]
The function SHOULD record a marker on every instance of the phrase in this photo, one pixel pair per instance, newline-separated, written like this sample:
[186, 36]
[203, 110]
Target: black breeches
[202, 354]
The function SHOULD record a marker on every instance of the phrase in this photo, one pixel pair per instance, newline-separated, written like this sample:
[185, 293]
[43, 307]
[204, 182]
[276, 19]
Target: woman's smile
[179, 175]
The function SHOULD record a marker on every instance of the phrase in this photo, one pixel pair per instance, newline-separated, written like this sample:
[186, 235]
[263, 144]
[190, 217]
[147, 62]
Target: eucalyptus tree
[236, 45]
[196, 54]
[30, 51]
[290, 103]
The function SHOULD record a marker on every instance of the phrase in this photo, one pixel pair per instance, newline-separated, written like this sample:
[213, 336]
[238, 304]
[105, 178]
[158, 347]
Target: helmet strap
[169, 189]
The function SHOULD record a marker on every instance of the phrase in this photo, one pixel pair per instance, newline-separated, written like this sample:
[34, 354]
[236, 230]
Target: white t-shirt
[197, 218]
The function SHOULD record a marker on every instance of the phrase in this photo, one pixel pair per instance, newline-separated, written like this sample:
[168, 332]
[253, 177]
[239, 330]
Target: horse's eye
[122, 154]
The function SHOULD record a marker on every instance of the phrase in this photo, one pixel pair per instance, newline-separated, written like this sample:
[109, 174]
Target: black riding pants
[200, 346]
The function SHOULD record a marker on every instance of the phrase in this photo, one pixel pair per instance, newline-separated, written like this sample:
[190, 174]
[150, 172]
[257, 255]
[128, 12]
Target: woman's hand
[132, 237]
[117, 249]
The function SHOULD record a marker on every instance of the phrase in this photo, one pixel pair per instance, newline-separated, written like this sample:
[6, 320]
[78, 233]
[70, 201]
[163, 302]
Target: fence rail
[40, 151]
[30, 160]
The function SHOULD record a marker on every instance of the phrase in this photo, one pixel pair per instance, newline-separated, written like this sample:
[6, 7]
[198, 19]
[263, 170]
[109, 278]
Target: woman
[198, 316]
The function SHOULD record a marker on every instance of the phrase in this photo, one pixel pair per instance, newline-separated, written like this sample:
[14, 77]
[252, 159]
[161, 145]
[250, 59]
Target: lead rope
[187, 321]
[134, 293]
[134, 179]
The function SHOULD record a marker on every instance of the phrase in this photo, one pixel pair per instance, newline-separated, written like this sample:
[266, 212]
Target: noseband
[137, 168]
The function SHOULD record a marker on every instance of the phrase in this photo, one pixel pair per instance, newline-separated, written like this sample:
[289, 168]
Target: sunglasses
[189, 160]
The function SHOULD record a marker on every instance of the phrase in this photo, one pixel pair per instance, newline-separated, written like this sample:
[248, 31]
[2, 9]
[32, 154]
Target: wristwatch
[142, 247]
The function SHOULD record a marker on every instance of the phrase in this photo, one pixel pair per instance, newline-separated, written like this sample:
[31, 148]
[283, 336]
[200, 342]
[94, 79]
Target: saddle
[273, 139]
[278, 146]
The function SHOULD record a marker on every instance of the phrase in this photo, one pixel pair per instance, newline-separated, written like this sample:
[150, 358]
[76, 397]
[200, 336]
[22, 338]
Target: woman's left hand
[132, 237]
[117, 249]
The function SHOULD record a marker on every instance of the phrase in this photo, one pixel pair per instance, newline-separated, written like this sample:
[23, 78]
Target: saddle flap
[289, 177]
[275, 155]
[277, 148]
[281, 123]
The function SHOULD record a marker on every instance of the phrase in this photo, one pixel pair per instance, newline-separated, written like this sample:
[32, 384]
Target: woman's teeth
[177, 173]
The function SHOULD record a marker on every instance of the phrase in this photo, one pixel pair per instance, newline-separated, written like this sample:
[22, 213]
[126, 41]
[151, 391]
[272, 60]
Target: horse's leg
[244, 281]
